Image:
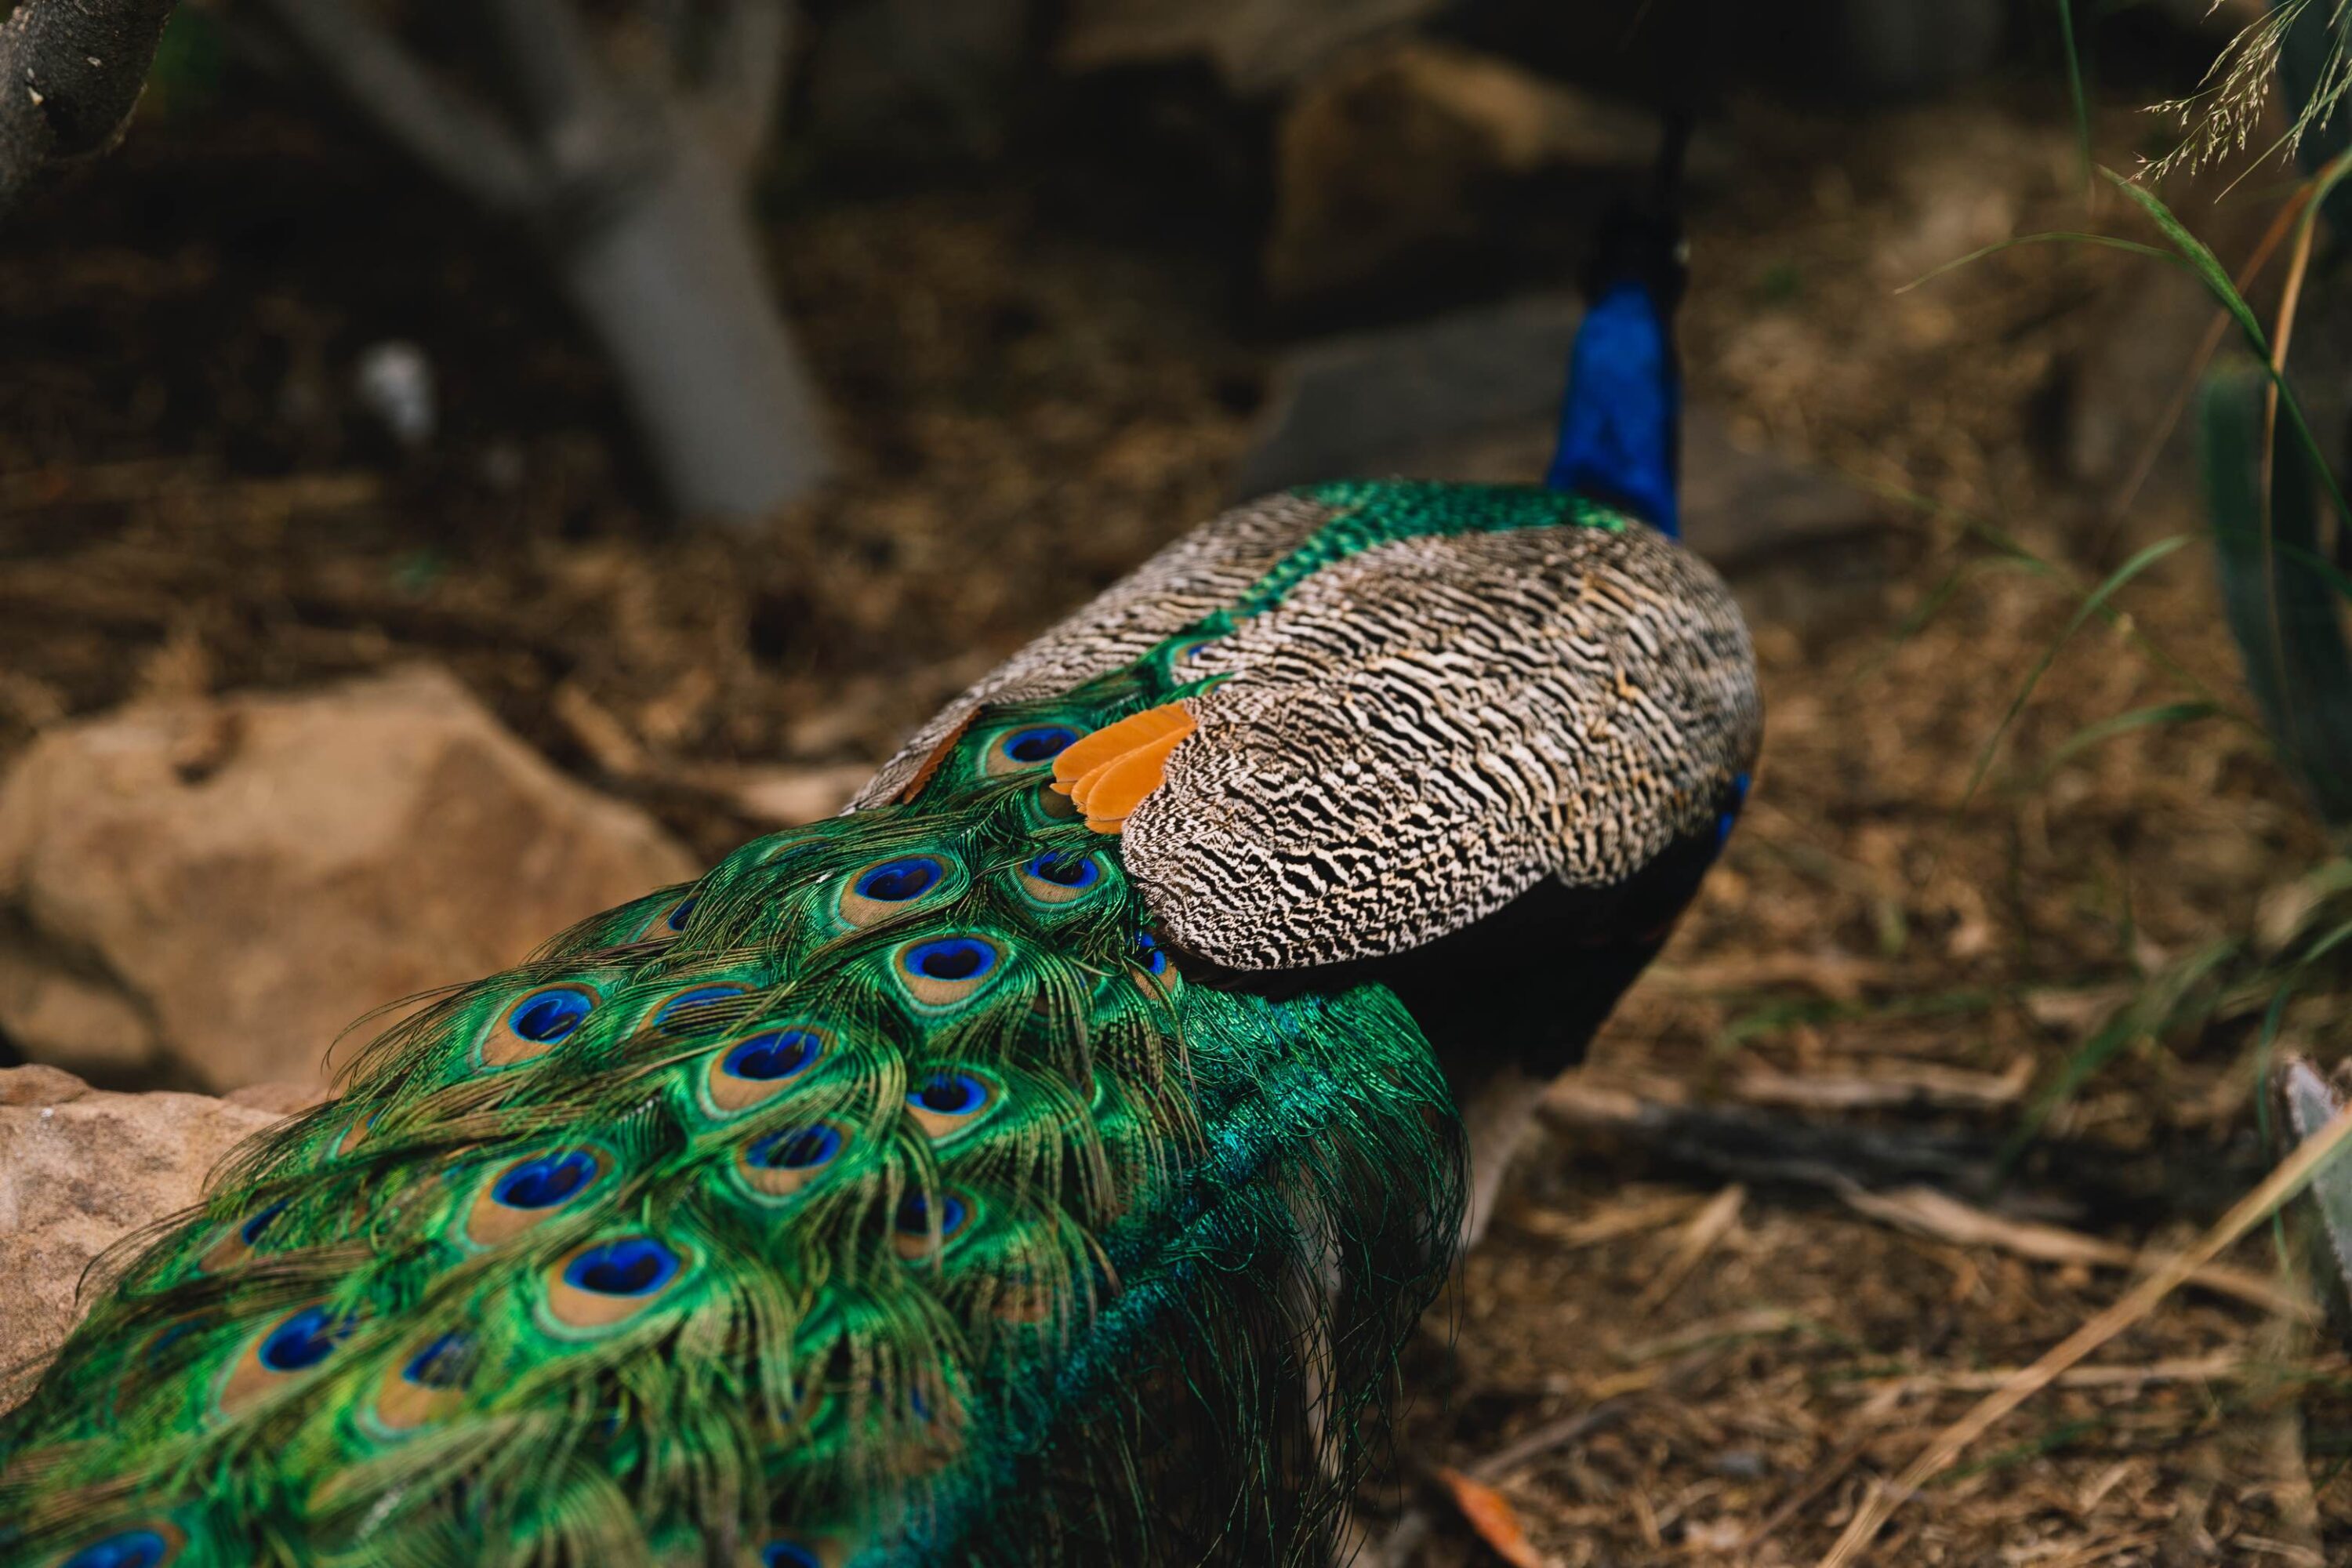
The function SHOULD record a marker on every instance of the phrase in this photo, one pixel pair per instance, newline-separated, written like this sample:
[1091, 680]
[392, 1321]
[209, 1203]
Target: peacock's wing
[1419, 733]
[1198, 576]
[1407, 705]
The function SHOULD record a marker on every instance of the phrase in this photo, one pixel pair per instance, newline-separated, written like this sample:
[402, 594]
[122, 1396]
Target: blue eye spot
[778, 1053]
[1073, 871]
[676, 920]
[543, 1183]
[678, 1013]
[797, 1149]
[1041, 744]
[788, 1554]
[250, 1231]
[896, 881]
[303, 1341]
[951, 1094]
[952, 958]
[1155, 957]
[441, 1364]
[914, 1217]
[547, 1016]
[632, 1266]
[141, 1549]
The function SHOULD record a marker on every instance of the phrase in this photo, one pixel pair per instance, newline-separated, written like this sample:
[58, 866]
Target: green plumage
[785, 1220]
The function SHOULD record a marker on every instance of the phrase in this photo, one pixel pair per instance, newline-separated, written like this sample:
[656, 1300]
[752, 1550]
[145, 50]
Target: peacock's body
[1040, 1163]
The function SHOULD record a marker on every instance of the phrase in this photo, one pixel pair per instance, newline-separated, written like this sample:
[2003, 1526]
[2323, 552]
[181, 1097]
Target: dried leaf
[1490, 1514]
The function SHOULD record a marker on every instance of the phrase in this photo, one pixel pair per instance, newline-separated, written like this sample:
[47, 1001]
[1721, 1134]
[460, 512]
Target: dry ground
[187, 501]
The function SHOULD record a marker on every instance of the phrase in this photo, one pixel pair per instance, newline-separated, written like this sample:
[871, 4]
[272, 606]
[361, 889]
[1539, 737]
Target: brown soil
[189, 501]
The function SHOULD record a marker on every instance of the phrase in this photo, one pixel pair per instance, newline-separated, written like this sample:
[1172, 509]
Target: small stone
[395, 382]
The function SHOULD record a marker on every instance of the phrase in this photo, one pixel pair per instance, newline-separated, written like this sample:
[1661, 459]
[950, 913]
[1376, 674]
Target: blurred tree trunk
[71, 72]
[633, 186]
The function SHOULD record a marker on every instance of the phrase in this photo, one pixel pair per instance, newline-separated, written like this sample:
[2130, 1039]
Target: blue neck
[1620, 427]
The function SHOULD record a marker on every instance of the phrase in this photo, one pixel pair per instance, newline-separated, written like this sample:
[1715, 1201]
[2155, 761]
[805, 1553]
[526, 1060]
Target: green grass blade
[2199, 258]
[2051, 236]
[2091, 605]
[2075, 86]
[2162, 715]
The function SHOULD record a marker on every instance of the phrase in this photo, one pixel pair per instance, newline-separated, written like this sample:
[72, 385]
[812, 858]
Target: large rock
[80, 1169]
[1255, 45]
[219, 888]
[915, 81]
[1403, 153]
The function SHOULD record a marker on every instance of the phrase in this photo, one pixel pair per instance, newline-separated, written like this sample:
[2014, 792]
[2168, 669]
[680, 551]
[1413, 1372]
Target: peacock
[1045, 1161]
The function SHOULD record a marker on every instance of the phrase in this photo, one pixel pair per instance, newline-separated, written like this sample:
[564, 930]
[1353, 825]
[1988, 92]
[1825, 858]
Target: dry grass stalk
[2281, 1184]
[1923, 1211]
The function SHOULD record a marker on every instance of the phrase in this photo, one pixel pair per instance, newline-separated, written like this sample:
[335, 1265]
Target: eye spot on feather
[912, 1226]
[530, 1189]
[632, 1266]
[881, 890]
[141, 1546]
[535, 1023]
[295, 1344]
[789, 1554]
[1027, 747]
[1059, 876]
[947, 1102]
[354, 1133]
[761, 1065]
[946, 970]
[602, 1284]
[1152, 960]
[241, 1240]
[781, 1164]
[546, 1181]
[696, 1007]
[668, 921]
[428, 1384]
[302, 1340]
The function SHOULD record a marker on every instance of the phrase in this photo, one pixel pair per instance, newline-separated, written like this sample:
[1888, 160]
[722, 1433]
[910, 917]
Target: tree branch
[370, 67]
[739, 82]
[69, 75]
[560, 88]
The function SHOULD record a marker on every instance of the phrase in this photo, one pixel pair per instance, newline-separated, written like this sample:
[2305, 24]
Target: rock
[911, 81]
[1402, 154]
[222, 885]
[1895, 50]
[1256, 46]
[79, 1170]
[1476, 397]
